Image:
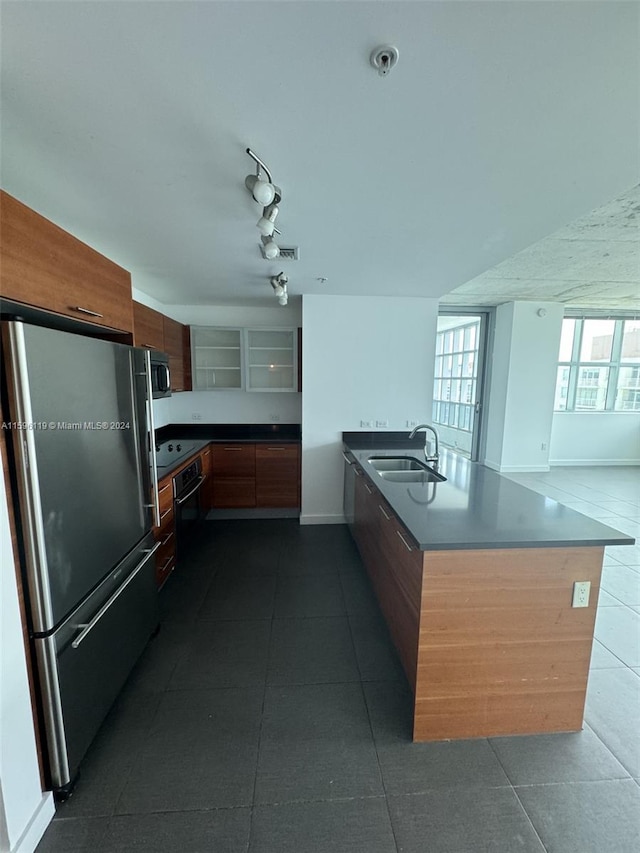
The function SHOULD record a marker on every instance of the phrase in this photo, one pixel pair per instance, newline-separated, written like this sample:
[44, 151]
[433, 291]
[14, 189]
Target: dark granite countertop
[194, 437]
[271, 433]
[476, 507]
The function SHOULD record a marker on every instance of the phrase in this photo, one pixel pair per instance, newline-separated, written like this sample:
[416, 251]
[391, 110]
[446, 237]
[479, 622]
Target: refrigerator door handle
[152, 438]
[91, 625]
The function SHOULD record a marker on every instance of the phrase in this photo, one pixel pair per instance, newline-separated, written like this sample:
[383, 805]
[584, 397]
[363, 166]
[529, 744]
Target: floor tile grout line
[528, 816]
[254, 805]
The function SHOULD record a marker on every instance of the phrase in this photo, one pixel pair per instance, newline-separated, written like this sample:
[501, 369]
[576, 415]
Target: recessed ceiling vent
[287, 253]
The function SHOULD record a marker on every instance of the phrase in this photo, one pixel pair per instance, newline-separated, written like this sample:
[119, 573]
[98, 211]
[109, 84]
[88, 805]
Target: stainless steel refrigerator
[83, 474]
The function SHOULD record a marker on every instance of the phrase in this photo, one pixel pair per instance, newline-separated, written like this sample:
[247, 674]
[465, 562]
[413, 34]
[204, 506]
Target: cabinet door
[278, 475]
[148, 327]
[173, 346]
[233, 469]
[44, 266]
[216, 358]
[271, 359]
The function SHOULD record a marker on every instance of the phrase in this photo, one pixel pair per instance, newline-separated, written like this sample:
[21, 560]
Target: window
[456, 375]
[599, 366]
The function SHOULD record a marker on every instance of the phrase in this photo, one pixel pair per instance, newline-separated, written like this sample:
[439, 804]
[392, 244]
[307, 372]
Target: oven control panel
[186, 477]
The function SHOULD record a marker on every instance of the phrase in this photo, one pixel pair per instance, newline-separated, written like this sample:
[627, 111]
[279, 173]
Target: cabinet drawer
[233, 460]
[165, 499]
[234, 492]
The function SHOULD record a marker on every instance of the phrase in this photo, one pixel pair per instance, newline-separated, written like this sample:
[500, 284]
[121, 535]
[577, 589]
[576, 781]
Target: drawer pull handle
[86, 311]
[368, 488]
[166, 538]
[276, 448]
[406, 544]
[357, 472]
[166, 563]
[166, 513]
[381, 508]
[232, 448]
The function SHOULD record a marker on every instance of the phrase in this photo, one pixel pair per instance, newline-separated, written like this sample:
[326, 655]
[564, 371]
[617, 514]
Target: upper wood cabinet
[156, 331]
[174, 348]
[44, 266]
[148, 327]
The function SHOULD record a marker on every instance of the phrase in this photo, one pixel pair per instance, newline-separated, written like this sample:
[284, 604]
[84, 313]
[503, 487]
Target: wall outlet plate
[411, 424]
[366, 424]
[581, 590]
[382, 424]
[196, 416]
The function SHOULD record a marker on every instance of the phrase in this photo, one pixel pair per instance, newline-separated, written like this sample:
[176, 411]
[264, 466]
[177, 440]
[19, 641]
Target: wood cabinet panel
[207, 488]
[174, 347]
[148, 327]
[44, 266]
[510, 655]
[165, 533]
[234, 492]
[277, 475]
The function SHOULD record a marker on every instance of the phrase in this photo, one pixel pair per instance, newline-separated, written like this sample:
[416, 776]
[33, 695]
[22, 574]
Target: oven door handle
[186, 497]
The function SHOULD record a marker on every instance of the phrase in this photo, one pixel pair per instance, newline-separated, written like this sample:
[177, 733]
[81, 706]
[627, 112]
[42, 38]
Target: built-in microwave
[160, 375]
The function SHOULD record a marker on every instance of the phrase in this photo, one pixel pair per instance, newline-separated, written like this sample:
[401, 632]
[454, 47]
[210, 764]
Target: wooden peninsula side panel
[501, 650]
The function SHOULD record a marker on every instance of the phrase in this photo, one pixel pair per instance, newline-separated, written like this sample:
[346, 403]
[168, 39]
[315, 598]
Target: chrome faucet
[436, 456]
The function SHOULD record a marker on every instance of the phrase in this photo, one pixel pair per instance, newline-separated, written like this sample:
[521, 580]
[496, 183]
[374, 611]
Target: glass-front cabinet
[216, 358]
[244, 359]
[271, 360]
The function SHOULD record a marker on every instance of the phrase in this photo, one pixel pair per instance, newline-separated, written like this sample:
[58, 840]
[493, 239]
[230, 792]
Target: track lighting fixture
[270, 248]
[266, 193]
[279, 284]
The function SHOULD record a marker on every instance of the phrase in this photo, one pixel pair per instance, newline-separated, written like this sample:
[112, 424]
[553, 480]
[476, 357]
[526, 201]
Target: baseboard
[38, 824]
[323, 519]
[275, 512]
[515, 469]
[591, 463]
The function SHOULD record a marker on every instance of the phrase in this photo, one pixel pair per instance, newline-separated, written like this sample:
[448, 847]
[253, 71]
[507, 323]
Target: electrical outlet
[543, 446]
[411, 424]
[382, 424]
[581, 590]
[274, 418]
[366, 424]
[196, 416]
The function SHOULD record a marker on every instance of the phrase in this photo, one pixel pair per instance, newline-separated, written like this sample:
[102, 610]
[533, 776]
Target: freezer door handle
[91, 625]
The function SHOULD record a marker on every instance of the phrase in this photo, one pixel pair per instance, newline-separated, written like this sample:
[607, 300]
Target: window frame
[613, 365]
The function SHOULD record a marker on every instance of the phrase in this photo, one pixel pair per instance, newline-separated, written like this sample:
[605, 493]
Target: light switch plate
[581, 590]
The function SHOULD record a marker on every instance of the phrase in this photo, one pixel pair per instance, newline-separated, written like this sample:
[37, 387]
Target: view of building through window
[599, 366]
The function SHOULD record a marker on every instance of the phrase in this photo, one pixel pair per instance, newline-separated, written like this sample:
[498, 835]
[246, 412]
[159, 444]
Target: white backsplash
[233, 407]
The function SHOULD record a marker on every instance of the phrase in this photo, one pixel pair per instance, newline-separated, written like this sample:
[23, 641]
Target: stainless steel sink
[414, 476]
[404, 469]
[396, 463]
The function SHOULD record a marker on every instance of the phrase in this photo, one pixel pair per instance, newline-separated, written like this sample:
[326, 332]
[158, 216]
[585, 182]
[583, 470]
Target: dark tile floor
[270, 715]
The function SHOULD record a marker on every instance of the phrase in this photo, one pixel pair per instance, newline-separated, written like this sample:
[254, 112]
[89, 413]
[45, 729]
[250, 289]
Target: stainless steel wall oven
[189, 508]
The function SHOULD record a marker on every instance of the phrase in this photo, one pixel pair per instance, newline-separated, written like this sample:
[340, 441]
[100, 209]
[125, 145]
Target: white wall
[364, 358]
[25, 811]
[595, 438]
[523, 364]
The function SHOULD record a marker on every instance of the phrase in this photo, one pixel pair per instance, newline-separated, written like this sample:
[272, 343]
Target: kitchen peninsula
[475, 577]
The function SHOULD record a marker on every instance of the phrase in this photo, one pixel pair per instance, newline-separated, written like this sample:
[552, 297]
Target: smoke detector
[384, 58]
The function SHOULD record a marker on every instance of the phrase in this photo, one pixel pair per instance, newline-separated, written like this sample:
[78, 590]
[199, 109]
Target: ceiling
[591, 264]
[127, 123]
